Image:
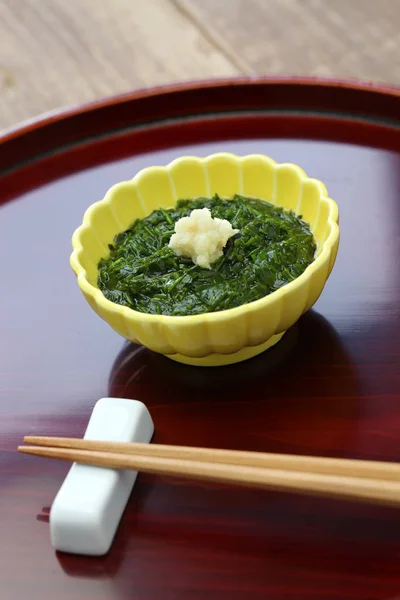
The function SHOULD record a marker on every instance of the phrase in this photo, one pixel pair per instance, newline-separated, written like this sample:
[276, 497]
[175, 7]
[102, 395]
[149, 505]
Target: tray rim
[69, 111]
[69, 139]
[55, 119]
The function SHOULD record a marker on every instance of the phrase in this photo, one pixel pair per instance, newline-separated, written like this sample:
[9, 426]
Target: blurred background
[55, 53]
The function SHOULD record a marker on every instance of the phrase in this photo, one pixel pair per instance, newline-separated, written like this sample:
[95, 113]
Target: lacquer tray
[331, 387]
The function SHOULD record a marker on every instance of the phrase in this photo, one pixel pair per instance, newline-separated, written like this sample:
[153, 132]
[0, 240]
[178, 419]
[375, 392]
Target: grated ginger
[201, 238]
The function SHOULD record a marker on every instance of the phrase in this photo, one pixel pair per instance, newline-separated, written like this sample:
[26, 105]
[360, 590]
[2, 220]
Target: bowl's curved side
[223, 332]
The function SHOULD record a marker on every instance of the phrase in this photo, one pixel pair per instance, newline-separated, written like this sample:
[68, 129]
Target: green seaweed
[272, 248]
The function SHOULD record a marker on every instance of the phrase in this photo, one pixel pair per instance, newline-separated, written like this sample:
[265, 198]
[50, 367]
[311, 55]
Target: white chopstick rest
[88, 507]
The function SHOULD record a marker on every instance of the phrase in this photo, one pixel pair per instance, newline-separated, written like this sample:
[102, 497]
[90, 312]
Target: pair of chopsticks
[362, 480]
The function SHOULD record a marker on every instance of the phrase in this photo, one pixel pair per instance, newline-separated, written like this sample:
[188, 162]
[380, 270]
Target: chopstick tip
[30, 439]
[28, 449]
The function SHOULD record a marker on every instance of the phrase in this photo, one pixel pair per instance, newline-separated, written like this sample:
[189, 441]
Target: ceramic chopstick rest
[88, 507]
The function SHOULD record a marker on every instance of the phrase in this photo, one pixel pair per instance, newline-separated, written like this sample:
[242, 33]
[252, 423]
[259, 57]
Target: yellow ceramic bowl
[227, 336]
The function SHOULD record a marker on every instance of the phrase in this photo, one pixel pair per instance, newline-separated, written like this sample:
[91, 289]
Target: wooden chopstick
[339, 486]
[312, 464]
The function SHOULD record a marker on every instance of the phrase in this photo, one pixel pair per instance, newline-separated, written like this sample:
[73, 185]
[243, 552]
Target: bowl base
[219, 360]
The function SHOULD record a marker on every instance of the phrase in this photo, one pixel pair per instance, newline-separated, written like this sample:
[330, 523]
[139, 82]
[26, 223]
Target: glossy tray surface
[330, 387]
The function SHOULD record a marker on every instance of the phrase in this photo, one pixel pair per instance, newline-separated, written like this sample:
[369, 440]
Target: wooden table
[55, 53]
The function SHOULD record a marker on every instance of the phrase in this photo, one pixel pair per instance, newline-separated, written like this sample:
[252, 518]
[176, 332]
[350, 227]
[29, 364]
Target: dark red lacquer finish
[331, 387]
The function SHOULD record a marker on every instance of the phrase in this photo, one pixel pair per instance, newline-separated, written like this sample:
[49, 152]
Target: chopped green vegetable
[272, 248]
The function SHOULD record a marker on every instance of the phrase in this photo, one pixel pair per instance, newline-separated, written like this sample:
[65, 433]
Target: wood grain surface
[333, 38]
[55, 53]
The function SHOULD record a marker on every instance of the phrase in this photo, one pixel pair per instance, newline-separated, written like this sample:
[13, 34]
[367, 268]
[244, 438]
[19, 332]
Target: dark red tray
[331, 387]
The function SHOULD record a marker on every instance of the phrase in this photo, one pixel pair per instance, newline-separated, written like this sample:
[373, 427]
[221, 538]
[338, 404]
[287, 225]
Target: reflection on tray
[311, 348]
[259, 400]
[133, 359]
[289, 399]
